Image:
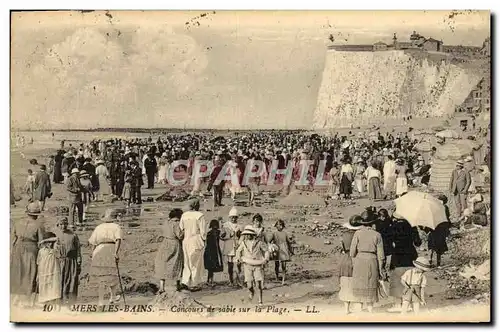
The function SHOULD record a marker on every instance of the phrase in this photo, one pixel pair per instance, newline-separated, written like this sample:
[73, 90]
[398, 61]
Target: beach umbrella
[420, 209]
[448, 133]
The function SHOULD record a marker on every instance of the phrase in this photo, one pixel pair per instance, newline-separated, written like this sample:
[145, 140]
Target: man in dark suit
[459, 185]
[136, 183]
[151, 168]
[42, 188]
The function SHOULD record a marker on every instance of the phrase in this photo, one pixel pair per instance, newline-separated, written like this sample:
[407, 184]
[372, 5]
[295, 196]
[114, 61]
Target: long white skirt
[49, 279]
[162, 174]
[401, 186]
[104, 187]
[194, 267]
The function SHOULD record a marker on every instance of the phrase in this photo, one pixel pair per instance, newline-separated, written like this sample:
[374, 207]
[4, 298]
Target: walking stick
[120, 280]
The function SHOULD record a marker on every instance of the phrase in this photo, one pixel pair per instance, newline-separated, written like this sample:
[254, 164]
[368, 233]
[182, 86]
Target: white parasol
[421, 209]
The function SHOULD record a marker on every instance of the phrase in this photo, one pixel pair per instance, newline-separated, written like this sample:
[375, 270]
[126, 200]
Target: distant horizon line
[140, 130]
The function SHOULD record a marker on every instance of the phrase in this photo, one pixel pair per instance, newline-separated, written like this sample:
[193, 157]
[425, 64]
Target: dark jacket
[150, 165]
[42, 186]
[136, 175]
[75, 189]
[404, 239]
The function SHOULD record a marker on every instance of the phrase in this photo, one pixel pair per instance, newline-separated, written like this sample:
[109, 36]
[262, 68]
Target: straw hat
[67, 155]
[33, 209]
[49, 237]
[75, 171]
[233, 212]
[248, 230]
[84, 173]
[460, 163]
[99, 161]
[422, 263]
[353, 223]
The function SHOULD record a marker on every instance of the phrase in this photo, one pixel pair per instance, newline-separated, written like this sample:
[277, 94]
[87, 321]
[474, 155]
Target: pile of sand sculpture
[299, 198]
[165, 301]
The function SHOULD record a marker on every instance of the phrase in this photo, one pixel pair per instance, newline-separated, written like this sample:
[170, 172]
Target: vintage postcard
[250, 166]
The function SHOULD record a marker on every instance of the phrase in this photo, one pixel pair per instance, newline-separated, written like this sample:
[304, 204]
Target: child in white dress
[49, 273]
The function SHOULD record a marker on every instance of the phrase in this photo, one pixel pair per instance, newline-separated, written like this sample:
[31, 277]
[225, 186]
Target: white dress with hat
[194, 226]
[49, 275]
[102, 173]
[163, 170]
[103, 266]
[234, 185]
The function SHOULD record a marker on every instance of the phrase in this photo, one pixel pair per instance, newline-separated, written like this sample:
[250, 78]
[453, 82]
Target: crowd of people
[380, 167]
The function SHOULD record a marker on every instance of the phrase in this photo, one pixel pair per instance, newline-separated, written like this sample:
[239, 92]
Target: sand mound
[298, 197]
[171, 298]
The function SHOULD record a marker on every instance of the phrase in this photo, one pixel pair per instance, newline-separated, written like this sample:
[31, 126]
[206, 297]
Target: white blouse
[372, 172]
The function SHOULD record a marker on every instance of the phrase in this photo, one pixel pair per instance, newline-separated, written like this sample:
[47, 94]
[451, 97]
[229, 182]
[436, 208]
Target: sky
[220, 70]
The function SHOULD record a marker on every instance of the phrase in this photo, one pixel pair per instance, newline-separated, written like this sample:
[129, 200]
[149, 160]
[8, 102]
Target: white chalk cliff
[359, 87]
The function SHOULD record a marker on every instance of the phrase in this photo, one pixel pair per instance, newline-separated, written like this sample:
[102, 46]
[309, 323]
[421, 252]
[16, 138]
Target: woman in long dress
[383, 225]
[345, 267]
[367, 251]
[373, 177]
[284, 243]
[401, 179]
[212, 256]
[102, 174]
[106, 240]
[49, 271]
[169, 258]
[346, 178]
[69, 251]
[234, 185]
[163, 169]
[57, 176]
[334, 180]
[27, 232]
[359, 176]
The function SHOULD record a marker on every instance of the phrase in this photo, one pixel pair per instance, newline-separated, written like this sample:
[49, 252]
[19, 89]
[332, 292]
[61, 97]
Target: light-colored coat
[460, 182]
[194, 226]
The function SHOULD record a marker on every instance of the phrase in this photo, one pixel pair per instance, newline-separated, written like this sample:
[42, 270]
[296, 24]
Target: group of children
[249, 249]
